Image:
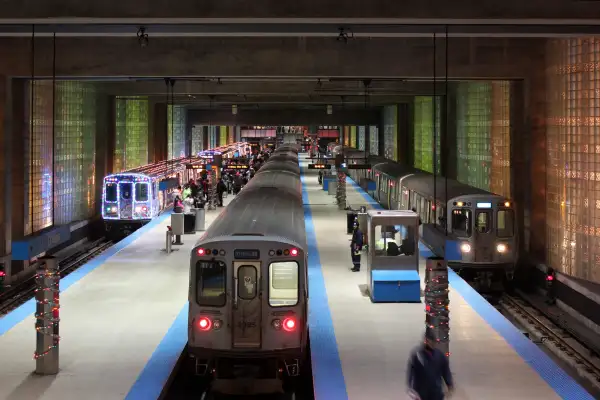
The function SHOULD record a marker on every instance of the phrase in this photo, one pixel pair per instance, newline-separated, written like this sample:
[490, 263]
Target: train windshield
[283, 284]
[111, 192]
[125, 189]
[461, 222]
[210, 283]
[141, 192]
[506, 224]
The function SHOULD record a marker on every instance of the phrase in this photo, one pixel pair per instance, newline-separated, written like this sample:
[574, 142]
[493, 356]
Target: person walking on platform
[221, 188]
[427, 367]
[356, 245]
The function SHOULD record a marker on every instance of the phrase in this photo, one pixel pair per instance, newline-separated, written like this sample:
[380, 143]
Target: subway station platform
[360, 349]
[123, 324]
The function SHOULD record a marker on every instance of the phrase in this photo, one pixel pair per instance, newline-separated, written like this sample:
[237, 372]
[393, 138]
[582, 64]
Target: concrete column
[111, 133]
[103, 132]
[5, 170]
[535, 124]
[238, 133]
[160, 133]
[151, 139]
[380, 131]
[405, 134]
[20, 135]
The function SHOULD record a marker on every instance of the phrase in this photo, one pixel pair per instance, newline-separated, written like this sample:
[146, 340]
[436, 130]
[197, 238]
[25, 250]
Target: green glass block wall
[131, 133]
[66, 194]
[390, 132]
[483, 135]
[176, 117]
[424, 132]
[212, 137]
[473, 133]
[374, 140]
[39, 179]
[353, 136]
[222, 135]
[361, 137]
[197, 138]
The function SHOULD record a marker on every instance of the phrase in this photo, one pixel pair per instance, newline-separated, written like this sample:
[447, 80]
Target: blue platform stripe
[28, 308]
[328, 377]
[565, 386]
[155, 374]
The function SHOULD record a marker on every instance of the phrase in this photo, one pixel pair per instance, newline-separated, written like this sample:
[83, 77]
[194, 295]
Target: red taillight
[2, 273]
[144, 209]
[550, 278]
[169, 228]
[289, 324]
[201, 252]
[204, 324]
[294, 252]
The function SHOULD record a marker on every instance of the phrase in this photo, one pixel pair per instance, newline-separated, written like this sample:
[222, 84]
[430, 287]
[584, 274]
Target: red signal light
[289, 324]
[144, 209]
[294, 252]
[204, 324]
[201, 252]
[2, 273]
[550, 278]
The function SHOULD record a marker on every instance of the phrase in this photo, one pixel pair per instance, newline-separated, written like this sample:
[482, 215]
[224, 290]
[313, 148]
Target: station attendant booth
[393, 256]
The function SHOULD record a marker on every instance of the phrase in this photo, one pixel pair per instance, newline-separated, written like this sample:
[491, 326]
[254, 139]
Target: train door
[484, 235]
[126, 200]
[247, 310]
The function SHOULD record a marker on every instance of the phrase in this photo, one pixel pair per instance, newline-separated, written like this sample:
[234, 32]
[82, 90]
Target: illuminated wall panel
[390, 132]
[212, 137]
[361, 137]
[131, 133]
[353, 136]
[483, 135]
[230, 134]
[573, 157]
[176, 119]
[223, 135]
[374, 140]
[197, 139]
[346, 135]
[424, 132]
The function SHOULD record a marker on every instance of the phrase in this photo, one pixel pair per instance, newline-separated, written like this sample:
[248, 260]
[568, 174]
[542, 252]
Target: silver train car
[484, 223]
[248, 299]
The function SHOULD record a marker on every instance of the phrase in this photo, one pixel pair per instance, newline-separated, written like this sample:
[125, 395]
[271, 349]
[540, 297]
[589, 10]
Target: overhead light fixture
[234, 109]
[329, 109]
[142, 36]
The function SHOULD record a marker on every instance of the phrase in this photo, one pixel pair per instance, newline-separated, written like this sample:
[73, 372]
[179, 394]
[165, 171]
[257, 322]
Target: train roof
[276, 165]
[394, 170]
[265, 212]
[281, 180]
[422, 183]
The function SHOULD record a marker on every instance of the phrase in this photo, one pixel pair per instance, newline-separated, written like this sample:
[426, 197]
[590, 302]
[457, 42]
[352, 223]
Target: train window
[484, 221]
[398, 240]
[506, 223]
[283, 283]
[141, 192]
[246, 282]
[210, 283]
[125, 189]
[461, 222]
[111, 192]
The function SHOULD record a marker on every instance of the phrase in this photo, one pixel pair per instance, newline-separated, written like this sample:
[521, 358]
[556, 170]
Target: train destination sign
[319, 166]
[359, 166]
[245, 254]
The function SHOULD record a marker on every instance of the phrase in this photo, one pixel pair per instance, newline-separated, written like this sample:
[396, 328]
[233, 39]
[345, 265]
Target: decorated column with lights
[341, 190]
[212, 191]
[47, 317]
[437, 314]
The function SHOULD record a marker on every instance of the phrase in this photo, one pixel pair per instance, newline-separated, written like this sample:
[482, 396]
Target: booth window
[210, 283]
[505, 226]
[484, 221]
[396, 240]
[111, 192]
[461, 222]
[283, 283]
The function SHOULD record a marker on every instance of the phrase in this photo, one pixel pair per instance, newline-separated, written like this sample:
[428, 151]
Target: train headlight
[113, 209]
[465, 248]
[138, 209]
[501, 248]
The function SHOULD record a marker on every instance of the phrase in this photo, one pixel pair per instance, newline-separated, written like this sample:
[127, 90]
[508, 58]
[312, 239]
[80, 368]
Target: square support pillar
[448, 144]
[103, 141]
[19, 191]
[5, 171]
[160, 132]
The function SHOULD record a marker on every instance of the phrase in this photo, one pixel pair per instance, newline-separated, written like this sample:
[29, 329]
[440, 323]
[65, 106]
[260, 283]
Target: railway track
[21, 293]
[585, 361]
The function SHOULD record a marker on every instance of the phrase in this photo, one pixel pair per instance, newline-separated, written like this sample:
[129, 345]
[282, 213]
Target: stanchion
[169, 244]
[47, 297]
[437, 302]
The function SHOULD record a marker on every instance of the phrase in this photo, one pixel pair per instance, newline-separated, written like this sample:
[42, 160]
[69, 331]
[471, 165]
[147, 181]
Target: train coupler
[292, 367]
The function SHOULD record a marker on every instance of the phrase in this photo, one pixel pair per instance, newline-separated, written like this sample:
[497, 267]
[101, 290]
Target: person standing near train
[356, 245]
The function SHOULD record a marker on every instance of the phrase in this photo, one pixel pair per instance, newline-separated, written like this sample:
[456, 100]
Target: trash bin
[350, 219]
[200, 218]
[189, 222]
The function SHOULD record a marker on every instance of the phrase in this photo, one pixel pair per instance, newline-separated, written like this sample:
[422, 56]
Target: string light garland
[47, 321]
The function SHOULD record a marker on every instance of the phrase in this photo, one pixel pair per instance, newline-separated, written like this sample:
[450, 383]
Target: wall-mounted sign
[319, 166]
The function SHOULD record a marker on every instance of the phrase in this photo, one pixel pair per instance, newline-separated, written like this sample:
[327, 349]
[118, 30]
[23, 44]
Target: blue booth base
[326, 183]
[393, 286]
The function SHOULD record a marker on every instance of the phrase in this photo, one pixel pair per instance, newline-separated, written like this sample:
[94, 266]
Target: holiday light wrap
[47, 310]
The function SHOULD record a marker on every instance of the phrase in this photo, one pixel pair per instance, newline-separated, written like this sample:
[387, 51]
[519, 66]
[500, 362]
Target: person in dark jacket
[356, 245]
[221, 188]
[427, 367]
